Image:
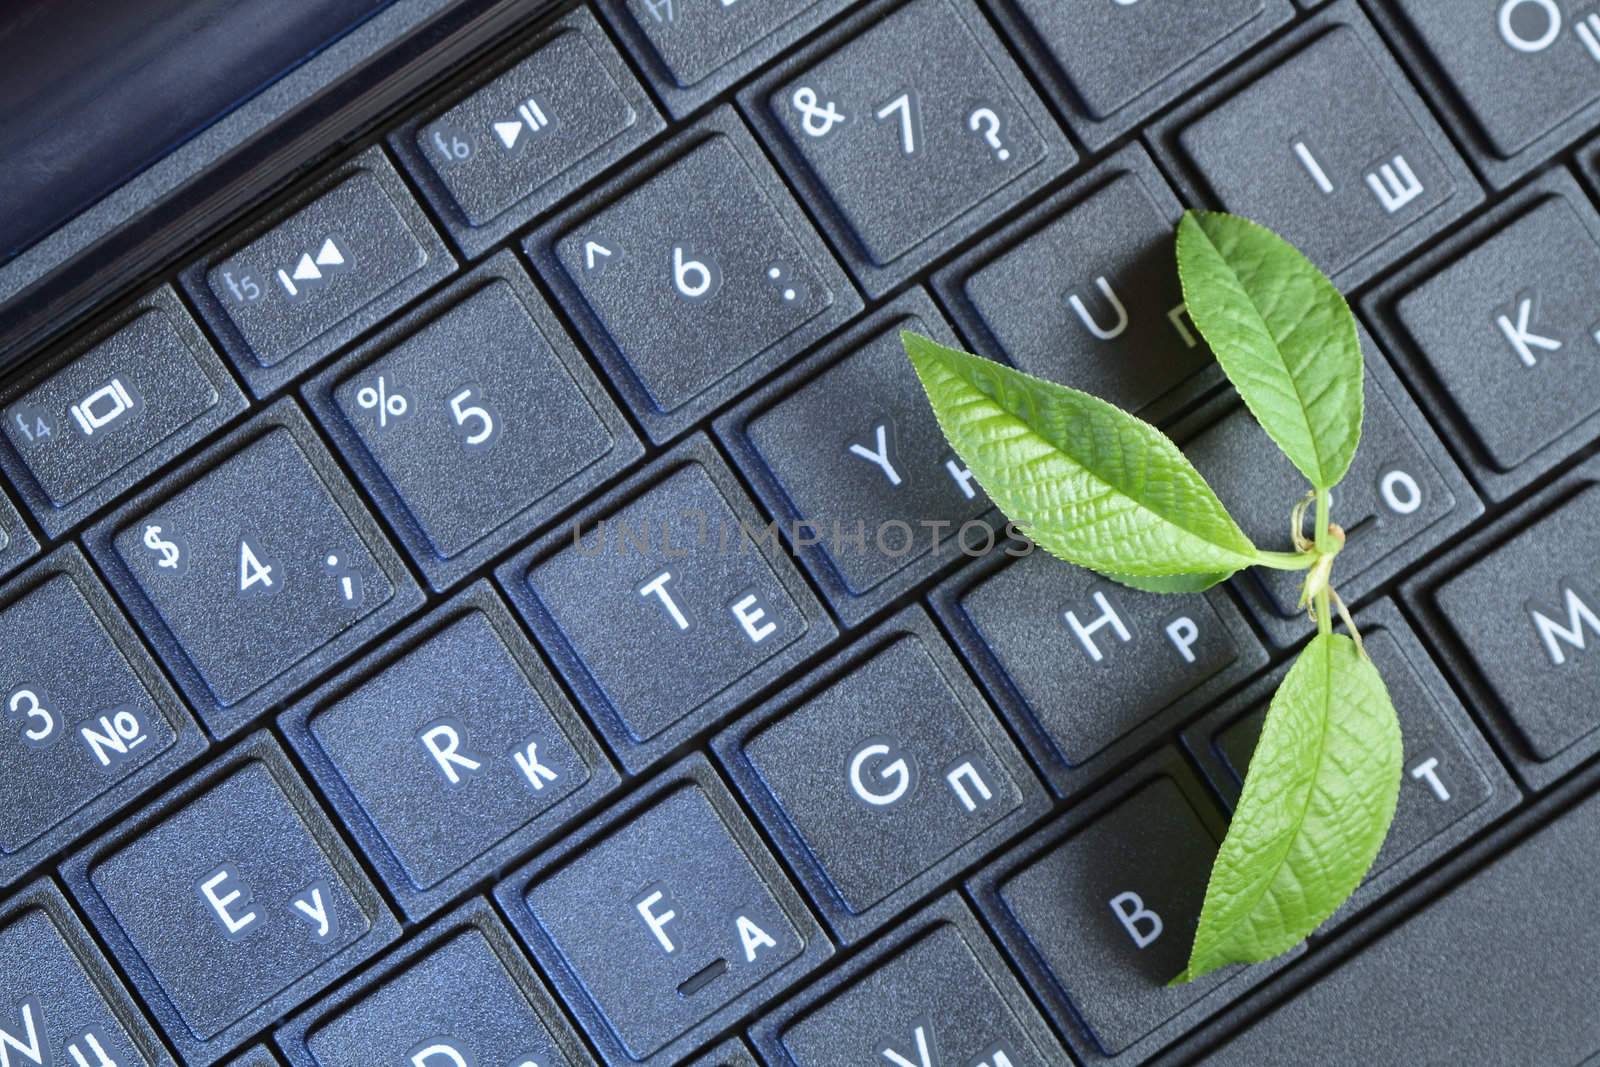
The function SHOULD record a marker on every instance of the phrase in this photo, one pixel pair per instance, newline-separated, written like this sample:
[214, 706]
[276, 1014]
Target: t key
[252, 566]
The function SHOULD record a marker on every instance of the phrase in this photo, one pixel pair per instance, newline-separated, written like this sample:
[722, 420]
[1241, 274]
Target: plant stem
[1324, 539]
[1286, 561]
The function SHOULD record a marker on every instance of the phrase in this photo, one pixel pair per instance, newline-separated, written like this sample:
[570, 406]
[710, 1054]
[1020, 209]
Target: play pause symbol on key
[532, 117]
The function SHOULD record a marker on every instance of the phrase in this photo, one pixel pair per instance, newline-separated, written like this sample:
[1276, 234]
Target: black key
[1516, 984]
[935, 991]
[844, 450]
[449, 751]
[1321, 139]
[459, 995]
[691, 50]
[1452, 785]
[666, 924]
[696, 282]
[229, 901]
[1519, 80]
[260, 1056]
[1402, 498]
[252, 568]
[1521, 602]
[473, 420]
[521, 141]
[86, 720]
[731, 1053]
[907, 129]
[1502, 328]
[881, 774]
[17, 543]
[661, 608]
[60, 1002]
[1083, 291]
[82, 428]
[1089, 671]
[1098, 911]
[1109, 66]
[319, 270]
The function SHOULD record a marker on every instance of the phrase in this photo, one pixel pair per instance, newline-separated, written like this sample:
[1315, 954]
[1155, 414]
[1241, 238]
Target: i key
[61, 1005]
[909, 129]
[935, 991]
[86, 720]
[661, 609]
[230, 900]
[666, 923]
[253, 567]
[696, 282]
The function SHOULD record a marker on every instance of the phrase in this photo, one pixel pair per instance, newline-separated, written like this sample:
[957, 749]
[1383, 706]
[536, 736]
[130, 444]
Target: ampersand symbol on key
[817, 121]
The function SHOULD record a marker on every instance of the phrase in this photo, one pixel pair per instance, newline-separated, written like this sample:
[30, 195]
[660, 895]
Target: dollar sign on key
[171, 553]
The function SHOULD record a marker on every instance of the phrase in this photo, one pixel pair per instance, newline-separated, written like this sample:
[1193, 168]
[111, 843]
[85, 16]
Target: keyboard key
[1090, 672]
[521, 141]
[1321, 139]
[1083, 291]
[881, 774]
[1514, 610]
[318, 271]
[449, 751]
[1402, 497]
[260, 1056]
[1109, 66]
[731, 1053]
[847, 443]
[473, 420]
[1499, 332]
[666, 924]
[1515, 983]
[1098, 911]
[61, 1003]
[907, 129]
[459, 994]
[691, 50]
[229, 901]
[1452, 787]
[933, 991]
[694, 283]
[660, 607]
[17, 543]
[248, 594]
[87, 722]
[83, 427]
[1518, 84]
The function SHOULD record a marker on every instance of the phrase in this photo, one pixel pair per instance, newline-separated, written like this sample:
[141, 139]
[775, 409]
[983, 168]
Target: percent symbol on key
[378, 399]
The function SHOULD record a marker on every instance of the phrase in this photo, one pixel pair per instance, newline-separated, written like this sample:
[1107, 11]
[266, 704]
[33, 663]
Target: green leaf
[1176, 583]
[1284, 335]
[1317, 803]
[1088, 482]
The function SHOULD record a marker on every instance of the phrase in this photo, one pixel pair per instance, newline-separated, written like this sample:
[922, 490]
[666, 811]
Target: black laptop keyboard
[507, 604]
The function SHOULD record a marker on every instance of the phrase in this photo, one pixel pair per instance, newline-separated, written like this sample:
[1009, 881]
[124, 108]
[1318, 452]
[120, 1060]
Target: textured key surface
[59, 1002]
[17, 543]
[460, 993]
[86, 720]
[1327, 146]
[230, 900]
[449, 750]
[666, 923]
[881, 774]
[473, 419]
[846, 439]
[731, 1053]
[1451, 786]
[1500, 326]
[1515, 986]
[251, 588]
[907, 129]
[672, 281]
[344, 254]
[663, 611]
[1099, 909]
[934, 991]
[126, 402]
[1088, 669]
[1083, 291]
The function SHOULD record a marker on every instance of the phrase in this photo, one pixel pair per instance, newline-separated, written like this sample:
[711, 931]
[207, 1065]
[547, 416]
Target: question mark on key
[987, 123]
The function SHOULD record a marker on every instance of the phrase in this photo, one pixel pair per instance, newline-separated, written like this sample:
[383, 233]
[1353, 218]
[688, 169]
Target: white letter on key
[443, 741]
[658, 586]
[657, 923]
[1130, 911]
[208, 889]
[1523, 340]
[880, 458]
[750, 616]
[528, 762]
[754, 938]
